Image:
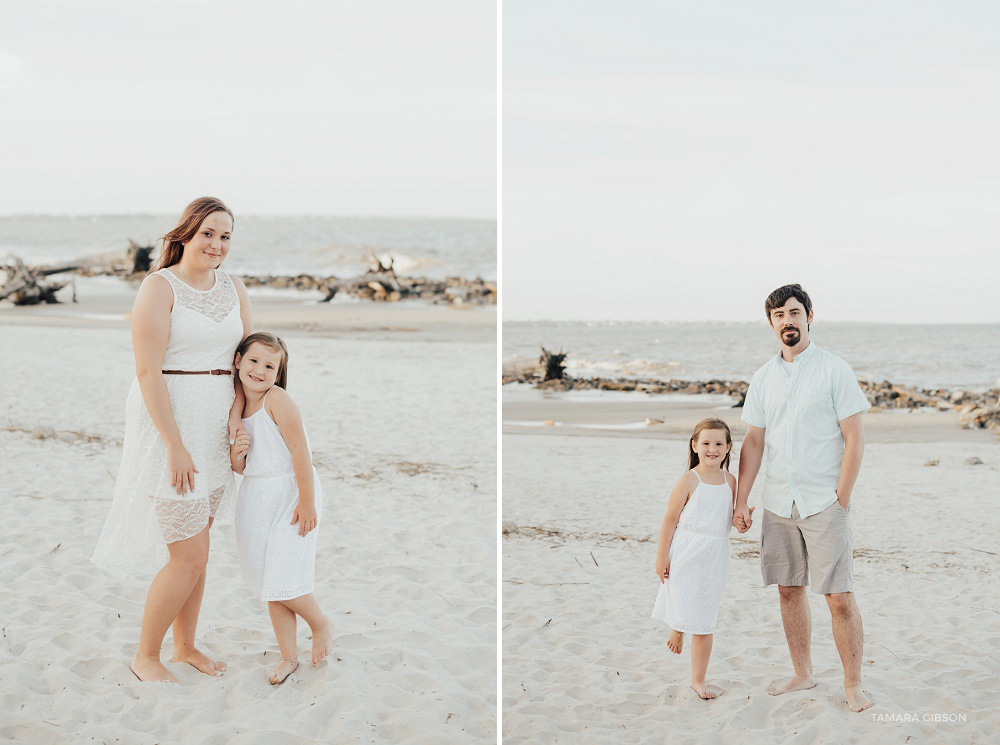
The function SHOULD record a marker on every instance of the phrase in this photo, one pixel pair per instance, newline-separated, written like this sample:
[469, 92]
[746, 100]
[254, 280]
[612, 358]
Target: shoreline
[974, 410]
[106, 302]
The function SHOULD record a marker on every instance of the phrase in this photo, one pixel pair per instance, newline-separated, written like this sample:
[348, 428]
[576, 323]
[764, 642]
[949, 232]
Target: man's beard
[791, 339]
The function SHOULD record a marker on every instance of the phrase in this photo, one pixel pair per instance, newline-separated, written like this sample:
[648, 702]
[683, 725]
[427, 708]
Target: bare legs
[174, 597]
[798, 630]
[169, 592]
[847, 633]
[849, 636]
[307, 607]
[184, 626]
[701, 650]
[283, 619]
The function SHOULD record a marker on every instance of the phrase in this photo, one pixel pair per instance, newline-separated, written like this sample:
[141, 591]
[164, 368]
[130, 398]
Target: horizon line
[359, 216]
[759, 322]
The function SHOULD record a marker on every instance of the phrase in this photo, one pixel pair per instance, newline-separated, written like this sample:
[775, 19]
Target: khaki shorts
[819, 545]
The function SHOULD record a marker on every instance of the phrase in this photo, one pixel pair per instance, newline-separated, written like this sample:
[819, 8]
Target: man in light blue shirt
[803, 411]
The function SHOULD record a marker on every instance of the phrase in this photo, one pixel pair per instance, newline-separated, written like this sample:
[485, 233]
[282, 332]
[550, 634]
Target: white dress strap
[696, 474]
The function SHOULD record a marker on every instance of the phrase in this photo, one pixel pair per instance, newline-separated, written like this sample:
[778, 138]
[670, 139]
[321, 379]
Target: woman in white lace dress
[181, 413]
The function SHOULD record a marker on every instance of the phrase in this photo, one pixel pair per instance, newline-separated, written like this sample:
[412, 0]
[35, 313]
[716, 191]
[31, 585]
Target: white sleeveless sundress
[147, 512]
[699, 561]
[277, 563]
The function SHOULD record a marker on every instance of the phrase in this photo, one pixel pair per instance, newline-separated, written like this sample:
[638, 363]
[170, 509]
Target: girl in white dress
[175, 478]
[692, 561]
[280, 501]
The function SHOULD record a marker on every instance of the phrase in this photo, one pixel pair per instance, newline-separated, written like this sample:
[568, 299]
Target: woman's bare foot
[797, 683]
[151, 670]
[857, 700]
[198, 659]
[703, 691]
[322, 637]
[282, 670]
[675, 642]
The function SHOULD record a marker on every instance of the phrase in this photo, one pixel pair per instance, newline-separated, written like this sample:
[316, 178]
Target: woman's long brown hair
[191, 219]
[713, 422]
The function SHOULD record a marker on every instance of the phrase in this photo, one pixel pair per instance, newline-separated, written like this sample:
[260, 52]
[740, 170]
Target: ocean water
[932, 356]
[339, 246]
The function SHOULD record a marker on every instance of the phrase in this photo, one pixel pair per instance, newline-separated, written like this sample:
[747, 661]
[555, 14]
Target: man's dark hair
[779, 297]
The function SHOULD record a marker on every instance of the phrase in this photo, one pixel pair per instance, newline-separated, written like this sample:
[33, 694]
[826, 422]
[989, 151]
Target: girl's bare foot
[198, 659]
[797, 683]
[675, 642]
[321, 643]
[151, 670]
[282, 670]
[857, 700]
[703, 691]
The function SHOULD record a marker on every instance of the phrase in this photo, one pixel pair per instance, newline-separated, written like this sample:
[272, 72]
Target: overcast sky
[342, 107]
[667, 160]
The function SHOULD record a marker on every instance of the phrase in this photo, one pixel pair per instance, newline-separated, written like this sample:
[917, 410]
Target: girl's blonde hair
[191, 219]
[713, 422]
[275, 344]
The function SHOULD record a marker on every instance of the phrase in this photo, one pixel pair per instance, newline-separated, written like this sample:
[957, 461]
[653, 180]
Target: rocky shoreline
[27, 285]
[978, 410]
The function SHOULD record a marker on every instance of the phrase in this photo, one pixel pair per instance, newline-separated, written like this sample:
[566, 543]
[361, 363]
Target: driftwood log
[976, 410]
[553, 365]
[26, 285]
[140, 257]
[380, 283]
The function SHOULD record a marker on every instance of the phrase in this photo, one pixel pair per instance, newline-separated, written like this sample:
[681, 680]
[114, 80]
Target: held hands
[235, 424]
[239, 444]
[743, 519]
[181, 468]
[305, 516]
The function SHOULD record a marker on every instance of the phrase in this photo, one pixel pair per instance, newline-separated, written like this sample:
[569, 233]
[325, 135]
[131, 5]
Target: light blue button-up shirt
[800, 411]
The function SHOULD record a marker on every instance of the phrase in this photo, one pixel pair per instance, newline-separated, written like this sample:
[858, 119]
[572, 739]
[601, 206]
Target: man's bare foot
[151, 670]
[198, 659]
[703, 691]
[857, 700]
[282, 670]
[795, 684]
[322, 638]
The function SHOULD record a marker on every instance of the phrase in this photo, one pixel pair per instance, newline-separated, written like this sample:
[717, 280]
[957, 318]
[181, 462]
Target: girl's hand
[240, 444]
[181, 468]
[663, 570]
[305, 516]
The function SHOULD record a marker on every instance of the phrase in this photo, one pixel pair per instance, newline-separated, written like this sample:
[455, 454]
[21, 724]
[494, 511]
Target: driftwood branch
[553, 364]
[380, 283]
[25, 286]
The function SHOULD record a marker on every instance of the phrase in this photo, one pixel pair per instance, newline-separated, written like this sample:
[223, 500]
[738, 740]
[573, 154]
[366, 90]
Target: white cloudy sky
[383, 107]
[667, 160]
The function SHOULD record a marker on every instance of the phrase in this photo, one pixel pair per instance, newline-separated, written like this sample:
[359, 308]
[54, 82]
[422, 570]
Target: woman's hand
[663, 569]
[305, 516]
[181, 468]
[240, 445]
[235, 424]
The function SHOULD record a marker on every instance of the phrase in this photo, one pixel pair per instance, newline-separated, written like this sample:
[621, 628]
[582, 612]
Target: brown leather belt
[197, 372]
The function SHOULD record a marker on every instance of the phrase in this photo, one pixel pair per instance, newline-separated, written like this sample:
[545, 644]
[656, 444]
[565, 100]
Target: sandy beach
[584, 663]
[399, 401]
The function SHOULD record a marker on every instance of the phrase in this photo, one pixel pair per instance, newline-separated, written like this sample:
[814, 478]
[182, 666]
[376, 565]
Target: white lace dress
[277, 563]
[699, 561]
[146, 512]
